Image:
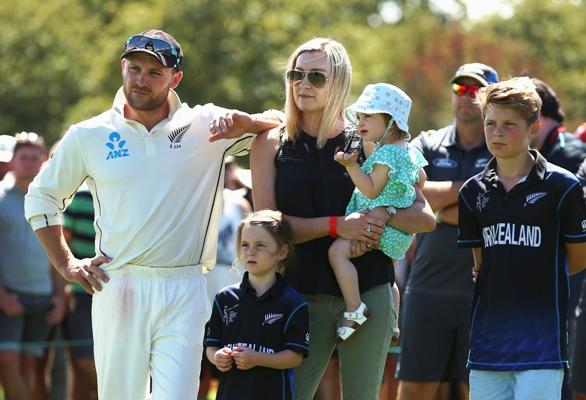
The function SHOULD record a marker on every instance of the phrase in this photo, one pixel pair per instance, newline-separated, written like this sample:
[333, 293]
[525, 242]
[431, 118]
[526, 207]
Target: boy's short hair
[519, 94]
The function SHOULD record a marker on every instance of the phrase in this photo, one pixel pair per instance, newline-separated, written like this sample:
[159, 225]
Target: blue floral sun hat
[382, 98]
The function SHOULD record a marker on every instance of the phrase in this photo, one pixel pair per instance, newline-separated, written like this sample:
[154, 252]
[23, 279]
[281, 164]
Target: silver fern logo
[534, 198]
[176, 135]
[271, 318]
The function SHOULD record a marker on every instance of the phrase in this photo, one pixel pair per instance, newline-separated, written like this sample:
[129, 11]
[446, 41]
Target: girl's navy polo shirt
[276, 321]
[520, 300]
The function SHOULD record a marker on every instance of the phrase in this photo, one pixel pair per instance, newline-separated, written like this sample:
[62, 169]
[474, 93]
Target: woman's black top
[311, 184]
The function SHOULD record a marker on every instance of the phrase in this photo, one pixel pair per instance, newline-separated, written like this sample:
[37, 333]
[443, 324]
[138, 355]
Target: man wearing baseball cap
[156, 181]
[7, 143]
[437, 301]
[562, 148]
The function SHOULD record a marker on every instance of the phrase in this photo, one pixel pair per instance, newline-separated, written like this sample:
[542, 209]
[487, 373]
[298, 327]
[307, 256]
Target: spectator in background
[578, 365]
[436, 305]
[581, 132]
[31, 294]
[78, 229]
[6, 148]
[237, 178]
[581, 174]
[553, 140]
[563, 149]
[579, 362]
[235, 208]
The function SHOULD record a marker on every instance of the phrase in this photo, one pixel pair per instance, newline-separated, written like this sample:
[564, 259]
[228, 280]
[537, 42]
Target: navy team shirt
[520, 300]
[273, 322]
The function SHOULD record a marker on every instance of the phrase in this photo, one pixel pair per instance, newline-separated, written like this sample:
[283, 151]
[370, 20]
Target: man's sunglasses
[165, 52]
[316, 78]
[461, 90]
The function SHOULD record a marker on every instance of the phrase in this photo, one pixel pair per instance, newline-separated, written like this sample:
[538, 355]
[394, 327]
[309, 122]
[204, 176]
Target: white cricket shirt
[157, 195]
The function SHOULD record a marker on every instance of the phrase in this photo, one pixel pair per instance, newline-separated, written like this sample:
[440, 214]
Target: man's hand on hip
[87, 273]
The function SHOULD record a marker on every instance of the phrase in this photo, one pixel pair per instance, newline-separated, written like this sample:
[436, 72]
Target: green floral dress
[404, 163]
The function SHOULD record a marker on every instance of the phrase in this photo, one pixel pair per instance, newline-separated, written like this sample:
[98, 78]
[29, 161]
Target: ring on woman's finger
[369, 245]
[368, 228]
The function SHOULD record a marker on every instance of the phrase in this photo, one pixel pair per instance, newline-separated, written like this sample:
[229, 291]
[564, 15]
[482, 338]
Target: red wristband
[333, 231]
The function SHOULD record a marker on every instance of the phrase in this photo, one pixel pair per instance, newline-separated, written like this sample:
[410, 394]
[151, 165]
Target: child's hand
[358, 248]
[244, 358]
[224, 359]
[347, 160]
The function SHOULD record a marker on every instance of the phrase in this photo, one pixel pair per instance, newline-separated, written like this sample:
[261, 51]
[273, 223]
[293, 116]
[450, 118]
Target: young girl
[259, 328]
[385, 179]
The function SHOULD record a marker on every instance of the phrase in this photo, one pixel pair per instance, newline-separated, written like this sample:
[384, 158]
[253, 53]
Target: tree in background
[60, 57]
[553, 34]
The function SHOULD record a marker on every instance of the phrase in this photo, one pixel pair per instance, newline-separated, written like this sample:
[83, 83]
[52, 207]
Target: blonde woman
[293, 170]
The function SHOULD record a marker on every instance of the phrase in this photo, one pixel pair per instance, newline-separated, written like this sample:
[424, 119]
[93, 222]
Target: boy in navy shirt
[258, 330]
[525, 220]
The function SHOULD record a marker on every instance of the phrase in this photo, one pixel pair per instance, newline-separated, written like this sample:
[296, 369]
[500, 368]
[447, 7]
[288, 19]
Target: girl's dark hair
[279, 229]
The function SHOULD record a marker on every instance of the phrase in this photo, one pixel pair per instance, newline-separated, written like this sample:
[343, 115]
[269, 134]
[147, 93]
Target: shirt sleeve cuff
[41, 221]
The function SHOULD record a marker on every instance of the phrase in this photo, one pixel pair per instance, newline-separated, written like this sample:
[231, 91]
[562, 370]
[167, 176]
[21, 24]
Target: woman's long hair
[338, 86]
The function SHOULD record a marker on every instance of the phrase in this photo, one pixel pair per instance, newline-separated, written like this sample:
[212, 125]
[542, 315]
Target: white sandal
[357, 318]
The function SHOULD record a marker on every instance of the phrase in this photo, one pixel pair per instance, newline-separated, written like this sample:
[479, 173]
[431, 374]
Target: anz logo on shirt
[117, 146]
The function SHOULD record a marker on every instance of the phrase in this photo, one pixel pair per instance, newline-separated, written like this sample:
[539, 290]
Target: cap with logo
[481, 72]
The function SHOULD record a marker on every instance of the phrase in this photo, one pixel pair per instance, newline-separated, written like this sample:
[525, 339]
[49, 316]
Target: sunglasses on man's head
[461, 90]
[316, 78]
[166, 53]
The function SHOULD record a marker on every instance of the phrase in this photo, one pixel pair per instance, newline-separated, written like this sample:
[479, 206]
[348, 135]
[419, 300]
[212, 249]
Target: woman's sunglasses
[461, 90]
[316, 78]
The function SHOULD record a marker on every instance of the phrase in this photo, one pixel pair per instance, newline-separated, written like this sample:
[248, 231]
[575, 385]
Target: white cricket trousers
[150, 321]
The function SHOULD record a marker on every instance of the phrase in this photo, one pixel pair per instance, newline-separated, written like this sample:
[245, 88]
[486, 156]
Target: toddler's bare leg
[345, 271]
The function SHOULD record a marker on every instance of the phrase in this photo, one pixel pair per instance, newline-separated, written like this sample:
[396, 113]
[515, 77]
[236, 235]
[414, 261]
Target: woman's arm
[416, 219]
[262, 166]
[352, 227]
[262, 163]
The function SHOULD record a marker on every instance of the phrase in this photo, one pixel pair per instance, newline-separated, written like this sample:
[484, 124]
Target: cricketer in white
[157, 186]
